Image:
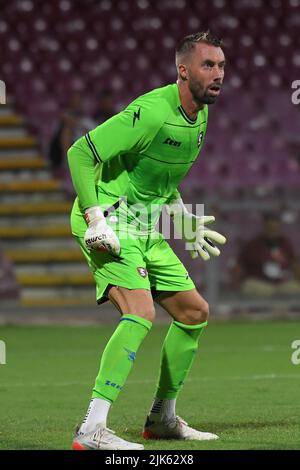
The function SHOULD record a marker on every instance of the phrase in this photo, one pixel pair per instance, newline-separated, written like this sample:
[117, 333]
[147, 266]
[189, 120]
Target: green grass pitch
[243, 386]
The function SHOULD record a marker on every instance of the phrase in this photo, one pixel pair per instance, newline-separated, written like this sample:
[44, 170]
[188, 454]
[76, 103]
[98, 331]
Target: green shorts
[144, 264]
[147, 262]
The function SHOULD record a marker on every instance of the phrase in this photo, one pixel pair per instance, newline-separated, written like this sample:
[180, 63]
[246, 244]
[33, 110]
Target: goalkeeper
[134, 160]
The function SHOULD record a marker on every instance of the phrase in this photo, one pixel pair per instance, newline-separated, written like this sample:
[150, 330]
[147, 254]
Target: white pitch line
[152, 381]
[207, 349]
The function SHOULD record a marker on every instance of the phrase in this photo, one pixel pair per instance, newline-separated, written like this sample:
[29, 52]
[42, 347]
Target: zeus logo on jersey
[169, 141]
[136, 116]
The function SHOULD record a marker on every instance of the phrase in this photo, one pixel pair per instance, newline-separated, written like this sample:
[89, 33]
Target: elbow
[70, 153]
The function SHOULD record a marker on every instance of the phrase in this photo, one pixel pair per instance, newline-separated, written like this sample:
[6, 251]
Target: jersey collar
[182, 111]
[185, 116]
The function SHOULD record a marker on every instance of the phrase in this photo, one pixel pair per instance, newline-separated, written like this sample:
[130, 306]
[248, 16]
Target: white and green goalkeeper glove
[192, 229]
[99, 236]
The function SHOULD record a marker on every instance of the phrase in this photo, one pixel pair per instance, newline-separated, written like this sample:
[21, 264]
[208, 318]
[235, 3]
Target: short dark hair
[187, 44]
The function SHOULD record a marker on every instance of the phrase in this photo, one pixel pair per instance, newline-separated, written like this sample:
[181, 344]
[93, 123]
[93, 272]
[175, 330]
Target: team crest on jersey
[142, 272]
[200, 137]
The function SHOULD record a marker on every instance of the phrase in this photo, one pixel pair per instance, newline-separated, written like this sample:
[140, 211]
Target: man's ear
[182, 71]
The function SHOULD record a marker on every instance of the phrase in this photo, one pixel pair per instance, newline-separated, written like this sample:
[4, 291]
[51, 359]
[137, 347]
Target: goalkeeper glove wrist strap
[92, 214]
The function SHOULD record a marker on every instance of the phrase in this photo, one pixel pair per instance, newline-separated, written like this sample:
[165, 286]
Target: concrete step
[58, 301]
[67, 279]
[6, 110]
[19, 232]
[31, 197]
[34, 221]
[31, 152]
[7, 120]
[30, 186]
[40, 244]
[20, 163]
[58, 296]
[66, 268]
[42, 256]
[38, 208]
[10, 142]
[8, 176]
[13, 132]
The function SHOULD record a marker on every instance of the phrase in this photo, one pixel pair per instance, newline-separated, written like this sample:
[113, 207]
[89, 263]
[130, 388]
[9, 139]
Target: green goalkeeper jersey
[141, 154]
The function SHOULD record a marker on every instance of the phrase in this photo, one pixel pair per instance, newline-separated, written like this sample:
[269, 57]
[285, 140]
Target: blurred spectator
[9, 288]
[105, 107]
[267, 265]
[72, 125]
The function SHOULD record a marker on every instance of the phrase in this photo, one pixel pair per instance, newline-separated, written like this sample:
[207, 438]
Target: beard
[200, 94]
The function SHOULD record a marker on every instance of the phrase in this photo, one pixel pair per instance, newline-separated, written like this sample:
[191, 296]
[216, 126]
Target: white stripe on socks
[163, 410]
[96, 414]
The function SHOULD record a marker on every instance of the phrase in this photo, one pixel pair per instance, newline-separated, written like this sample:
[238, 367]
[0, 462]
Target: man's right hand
[99, 236]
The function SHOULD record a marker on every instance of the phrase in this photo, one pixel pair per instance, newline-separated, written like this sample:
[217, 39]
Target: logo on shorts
[142, 272]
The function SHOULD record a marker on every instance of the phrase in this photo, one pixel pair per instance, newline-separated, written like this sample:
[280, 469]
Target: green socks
[119, 355]
[178, 352]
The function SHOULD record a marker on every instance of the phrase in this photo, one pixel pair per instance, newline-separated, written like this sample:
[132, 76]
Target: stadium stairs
[34, 223]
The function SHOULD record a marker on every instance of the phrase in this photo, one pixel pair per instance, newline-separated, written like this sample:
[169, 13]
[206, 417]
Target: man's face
[205, 72]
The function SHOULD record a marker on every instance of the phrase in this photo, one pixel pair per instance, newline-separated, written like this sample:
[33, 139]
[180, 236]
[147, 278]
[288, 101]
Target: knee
[198, 314]
[148, 313]
[134, 302]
